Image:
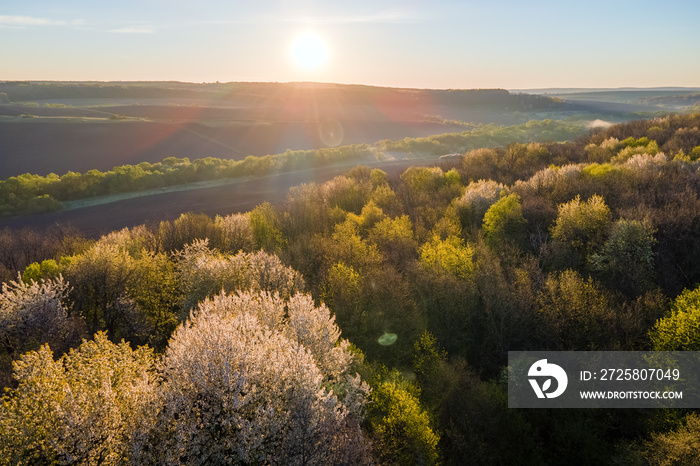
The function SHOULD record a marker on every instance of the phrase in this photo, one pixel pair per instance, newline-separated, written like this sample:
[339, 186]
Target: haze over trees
[367, 318]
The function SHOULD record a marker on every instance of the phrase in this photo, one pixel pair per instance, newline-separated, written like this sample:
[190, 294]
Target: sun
[309, 50]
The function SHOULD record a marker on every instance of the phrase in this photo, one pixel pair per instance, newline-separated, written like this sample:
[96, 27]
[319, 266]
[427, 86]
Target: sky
[418, 44]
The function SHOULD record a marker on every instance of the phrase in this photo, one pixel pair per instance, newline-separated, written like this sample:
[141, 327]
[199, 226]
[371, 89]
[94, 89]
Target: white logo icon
[542, 369]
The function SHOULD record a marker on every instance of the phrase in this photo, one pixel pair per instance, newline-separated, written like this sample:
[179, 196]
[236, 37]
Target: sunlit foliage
[88, 407]
[680, 329]
[246, 384]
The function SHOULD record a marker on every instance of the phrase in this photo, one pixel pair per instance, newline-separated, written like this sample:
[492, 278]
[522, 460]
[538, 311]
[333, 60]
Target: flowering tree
[32, 314]
[85, 408]
[251, 378]
[203, 272]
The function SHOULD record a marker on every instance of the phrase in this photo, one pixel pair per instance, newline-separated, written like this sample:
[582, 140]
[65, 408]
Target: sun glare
[309, 50]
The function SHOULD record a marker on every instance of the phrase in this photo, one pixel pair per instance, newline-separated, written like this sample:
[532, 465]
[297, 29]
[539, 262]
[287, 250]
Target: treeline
[434, 276]
[487, 136]
[326, 95]
[22, 91]
[31, 194]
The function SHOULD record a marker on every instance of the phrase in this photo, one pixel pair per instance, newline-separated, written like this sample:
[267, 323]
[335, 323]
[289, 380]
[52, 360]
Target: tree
[236, 233]
[626, 260]
[679, 446]
[577, 313]
[245, 384]
[32, 314]
[204, 272]
[398, 424]
[581, 223]
[449, 256]
[680, 329]
[504, 222]
[86, 408]
[185, 229]
[100, 278]
[265, 224]
[394, 238]
[477, 199]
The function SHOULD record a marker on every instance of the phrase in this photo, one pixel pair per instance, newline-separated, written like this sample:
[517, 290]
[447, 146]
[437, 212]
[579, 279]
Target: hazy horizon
[444, 45]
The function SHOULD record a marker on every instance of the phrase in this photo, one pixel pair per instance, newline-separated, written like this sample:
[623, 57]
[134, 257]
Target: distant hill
[257, 93]
[667, 98]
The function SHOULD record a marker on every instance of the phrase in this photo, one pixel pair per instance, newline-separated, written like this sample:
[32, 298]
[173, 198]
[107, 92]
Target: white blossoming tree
[251, 378]
[204, 272]
[85, 408]
[32, 314]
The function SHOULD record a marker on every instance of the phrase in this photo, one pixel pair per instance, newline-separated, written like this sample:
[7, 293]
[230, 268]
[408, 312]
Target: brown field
[80, 134]
[70, 127]
[43, 145]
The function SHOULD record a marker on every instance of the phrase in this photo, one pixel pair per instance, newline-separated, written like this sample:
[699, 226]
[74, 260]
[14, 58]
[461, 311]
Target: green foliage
[639, 147]
[486, 136]
[504, 222]
[30, 194]
[626, 260]
[400, 428]
[402, 266]
[680, 329]
[598, 170]
[265, 226]
[429, 364]
[349, 247]
[48, 269]
[578, 314]
[395, 239]
[343, 294]
[449, 256]
[368, 218]
[100, 278]
[582, 225]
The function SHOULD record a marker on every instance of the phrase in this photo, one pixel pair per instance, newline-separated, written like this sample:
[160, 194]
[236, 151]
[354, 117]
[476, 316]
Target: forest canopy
[365, 319]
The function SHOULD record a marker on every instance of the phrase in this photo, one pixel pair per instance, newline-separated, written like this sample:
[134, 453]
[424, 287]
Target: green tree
[504, 222]
[265, 224]
[450, 256]
[577, 313]
[626, 260]
[100, 278]
[399, 427]
[582, 225]
[680, 329]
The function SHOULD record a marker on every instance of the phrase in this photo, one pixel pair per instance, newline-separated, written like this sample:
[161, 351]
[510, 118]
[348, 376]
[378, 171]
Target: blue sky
[437, 44]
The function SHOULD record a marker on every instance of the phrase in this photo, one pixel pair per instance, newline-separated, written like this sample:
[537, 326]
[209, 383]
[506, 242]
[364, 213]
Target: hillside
[53, 127]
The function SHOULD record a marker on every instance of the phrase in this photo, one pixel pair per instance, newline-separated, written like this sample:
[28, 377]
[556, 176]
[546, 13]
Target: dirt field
[72, 137]
[44, 146]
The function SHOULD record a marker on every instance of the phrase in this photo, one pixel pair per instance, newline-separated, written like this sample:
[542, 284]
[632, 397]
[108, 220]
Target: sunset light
[309, 51]
[378, 232]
